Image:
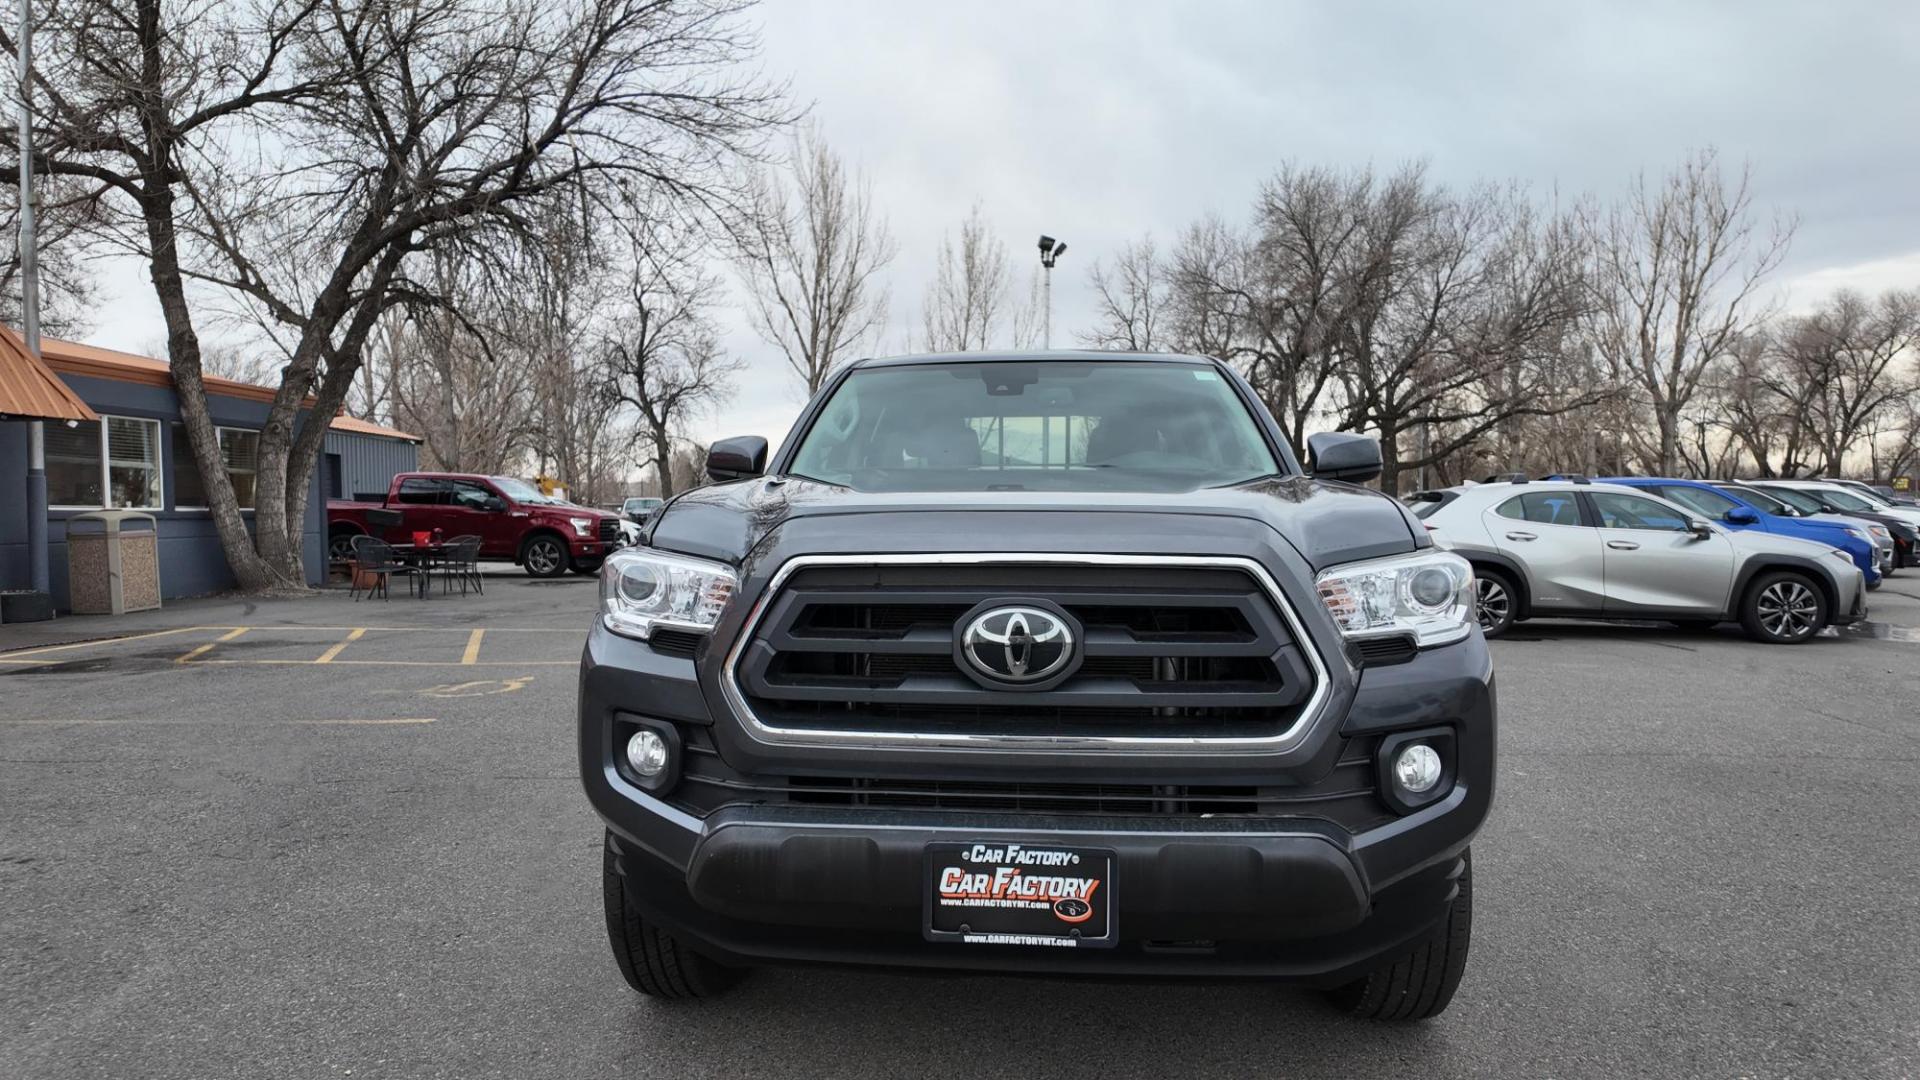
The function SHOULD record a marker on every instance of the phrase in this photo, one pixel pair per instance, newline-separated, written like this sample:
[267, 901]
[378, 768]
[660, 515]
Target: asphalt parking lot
[318, 838]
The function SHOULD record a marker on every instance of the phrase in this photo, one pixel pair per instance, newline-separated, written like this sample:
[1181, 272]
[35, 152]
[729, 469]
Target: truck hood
[1326, 522]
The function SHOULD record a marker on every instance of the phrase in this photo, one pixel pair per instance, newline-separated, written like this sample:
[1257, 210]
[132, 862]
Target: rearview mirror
[1741, 515]
[737, 458]
[1339, 455]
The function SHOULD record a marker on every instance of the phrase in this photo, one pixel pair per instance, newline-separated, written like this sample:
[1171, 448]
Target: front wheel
[545, 557]
[1783, 608]
[340, 546]
[1495, 601]
[653, 961]
[1419, 984]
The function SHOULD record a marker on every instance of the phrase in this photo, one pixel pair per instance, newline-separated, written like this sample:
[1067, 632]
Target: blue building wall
[191, 563]
[368, 463]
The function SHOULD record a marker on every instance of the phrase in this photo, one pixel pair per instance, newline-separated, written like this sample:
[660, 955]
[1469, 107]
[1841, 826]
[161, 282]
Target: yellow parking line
[43, 722]
[473, 647]
[14, 656]
[190, 655]
[402, 663]
[341, 646]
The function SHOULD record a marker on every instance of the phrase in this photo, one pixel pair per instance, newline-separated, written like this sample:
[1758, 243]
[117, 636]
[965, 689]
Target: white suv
[1607, 551]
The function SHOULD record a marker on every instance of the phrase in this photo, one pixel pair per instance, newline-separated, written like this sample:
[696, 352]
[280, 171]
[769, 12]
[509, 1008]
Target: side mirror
[494, 504]
[1741, 515]
[1700, 529]
[1338, 455]
[737, 458]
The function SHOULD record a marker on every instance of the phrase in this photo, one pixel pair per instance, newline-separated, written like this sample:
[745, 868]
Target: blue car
[1728, 507]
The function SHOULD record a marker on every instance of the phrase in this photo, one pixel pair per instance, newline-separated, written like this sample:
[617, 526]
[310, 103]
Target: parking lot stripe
[473, 647]
[16, 657]
[341, 646]
[198, 651]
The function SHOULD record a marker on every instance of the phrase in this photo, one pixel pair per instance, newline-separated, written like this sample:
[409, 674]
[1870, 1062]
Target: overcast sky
[1100, 121]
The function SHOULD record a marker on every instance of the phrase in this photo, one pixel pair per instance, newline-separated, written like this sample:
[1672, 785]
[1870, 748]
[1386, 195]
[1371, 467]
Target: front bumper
[1295, 897]
[1270, 904]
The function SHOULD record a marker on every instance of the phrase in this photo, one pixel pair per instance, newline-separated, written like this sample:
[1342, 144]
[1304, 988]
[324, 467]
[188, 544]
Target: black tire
[1420, 983]
[653, 961]
[545, 556]
[1783, 608]
[585, 567]
[1496, 601]
[340, 545]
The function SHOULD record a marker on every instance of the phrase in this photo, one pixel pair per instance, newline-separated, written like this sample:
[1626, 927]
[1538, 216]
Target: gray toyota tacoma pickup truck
[1050, 663]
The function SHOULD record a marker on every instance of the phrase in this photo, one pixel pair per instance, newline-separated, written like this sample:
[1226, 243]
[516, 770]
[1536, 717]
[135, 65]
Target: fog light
[647, 753]
[1416, 770]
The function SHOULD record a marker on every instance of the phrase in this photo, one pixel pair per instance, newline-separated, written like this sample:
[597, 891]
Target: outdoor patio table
[421, 556]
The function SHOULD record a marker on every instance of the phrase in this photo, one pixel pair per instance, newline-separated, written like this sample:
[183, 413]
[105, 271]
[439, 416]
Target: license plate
[1001, 892]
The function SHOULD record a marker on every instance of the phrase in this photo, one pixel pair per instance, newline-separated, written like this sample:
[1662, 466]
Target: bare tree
[663, 355]
[967, 305]
[63, 217]
[1677, 276]
[1465, 303]
[811, 258]
[1844, 364]
[394, 129]
[1131, 300]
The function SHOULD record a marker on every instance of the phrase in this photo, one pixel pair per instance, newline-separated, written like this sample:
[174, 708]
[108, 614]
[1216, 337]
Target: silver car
[1605, 551]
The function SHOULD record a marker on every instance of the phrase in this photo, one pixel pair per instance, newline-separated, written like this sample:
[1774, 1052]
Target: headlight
[582, 526]
[641, 589]
[1428, 595]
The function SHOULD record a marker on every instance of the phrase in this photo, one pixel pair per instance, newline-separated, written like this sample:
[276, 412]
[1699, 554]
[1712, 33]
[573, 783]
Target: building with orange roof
[114, 441]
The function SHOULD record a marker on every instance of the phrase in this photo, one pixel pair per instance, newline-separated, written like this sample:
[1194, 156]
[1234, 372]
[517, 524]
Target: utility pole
[1050, 250]
[30, 315]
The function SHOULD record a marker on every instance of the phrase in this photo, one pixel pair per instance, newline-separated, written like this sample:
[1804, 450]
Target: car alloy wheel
[1788, 610]
[544, 558]
[340, 547]
[1492, 604]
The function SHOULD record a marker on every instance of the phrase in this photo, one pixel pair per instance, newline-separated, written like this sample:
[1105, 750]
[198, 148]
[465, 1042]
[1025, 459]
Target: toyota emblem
[1018, 644]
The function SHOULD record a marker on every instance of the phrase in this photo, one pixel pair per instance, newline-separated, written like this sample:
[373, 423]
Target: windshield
[1066, 425]
[1796, 500]
[642, 504]
[1845, 500]
[1763, 500]
[522, 492]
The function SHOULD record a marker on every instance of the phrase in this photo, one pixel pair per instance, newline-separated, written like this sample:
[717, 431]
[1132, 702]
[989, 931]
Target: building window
[74, 478]
[336, 485]
[113, 464]
[239, 450]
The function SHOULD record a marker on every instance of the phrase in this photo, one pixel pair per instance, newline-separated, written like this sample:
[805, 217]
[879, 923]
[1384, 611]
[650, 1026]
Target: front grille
[1168, 651]
[1346, 796]
[610, 530]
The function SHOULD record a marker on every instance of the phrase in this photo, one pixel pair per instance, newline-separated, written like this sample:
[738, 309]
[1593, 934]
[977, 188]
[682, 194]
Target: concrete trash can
[112, 569]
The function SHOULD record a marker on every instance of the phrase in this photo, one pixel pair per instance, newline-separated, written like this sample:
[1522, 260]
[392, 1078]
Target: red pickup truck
[514, 520]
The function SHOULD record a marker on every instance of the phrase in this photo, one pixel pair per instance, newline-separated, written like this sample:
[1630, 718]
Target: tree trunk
[250, 572]
[1390, 461]
[663, 463]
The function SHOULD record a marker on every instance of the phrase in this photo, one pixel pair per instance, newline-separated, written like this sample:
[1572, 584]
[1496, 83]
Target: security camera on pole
[1050, 249]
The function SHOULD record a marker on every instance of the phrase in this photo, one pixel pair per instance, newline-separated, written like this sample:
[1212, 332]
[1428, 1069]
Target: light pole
[1050, 249]
[30, 315]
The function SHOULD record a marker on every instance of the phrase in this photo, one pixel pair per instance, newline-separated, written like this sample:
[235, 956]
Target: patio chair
[375, 559]
[460, 561]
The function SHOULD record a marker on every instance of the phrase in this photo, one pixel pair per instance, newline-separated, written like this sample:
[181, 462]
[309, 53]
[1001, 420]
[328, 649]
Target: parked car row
[1783, 558]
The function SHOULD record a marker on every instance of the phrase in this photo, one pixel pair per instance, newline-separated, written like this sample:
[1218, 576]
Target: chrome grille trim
[908, 740]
